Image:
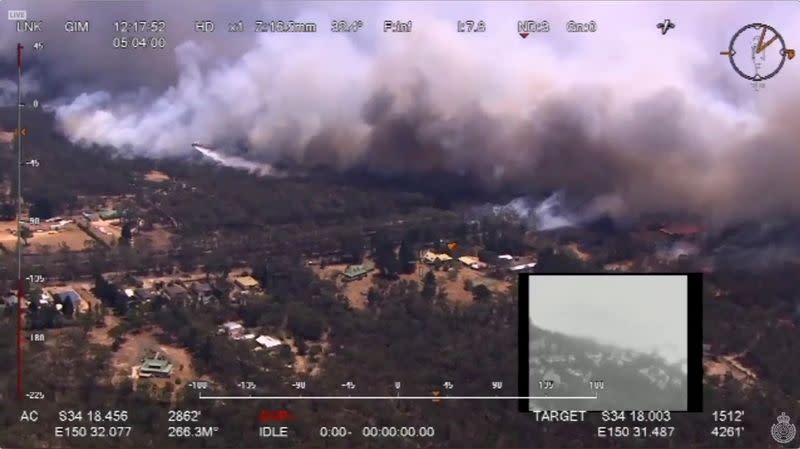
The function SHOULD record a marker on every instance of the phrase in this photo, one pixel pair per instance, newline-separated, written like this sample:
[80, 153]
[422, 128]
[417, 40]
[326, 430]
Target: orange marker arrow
[436, 393]
[452, 246]
[790, 53]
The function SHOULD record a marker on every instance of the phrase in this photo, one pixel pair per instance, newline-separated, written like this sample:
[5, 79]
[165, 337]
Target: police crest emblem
[783, 432]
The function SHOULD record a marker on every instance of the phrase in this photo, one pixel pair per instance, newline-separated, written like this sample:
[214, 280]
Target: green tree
[373, 296]
[8, 211]
[406, 257]
[385, 258]
[481, 293]
[25, 233]
[428, 286]
[126, 235]
[68, 308]
[305, 322]
[352, 246]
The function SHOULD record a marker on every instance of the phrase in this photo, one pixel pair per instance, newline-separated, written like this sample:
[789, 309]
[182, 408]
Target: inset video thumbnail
[608, 341]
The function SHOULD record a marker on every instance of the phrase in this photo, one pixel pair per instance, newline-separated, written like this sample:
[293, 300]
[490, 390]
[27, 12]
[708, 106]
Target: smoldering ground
[625, 121]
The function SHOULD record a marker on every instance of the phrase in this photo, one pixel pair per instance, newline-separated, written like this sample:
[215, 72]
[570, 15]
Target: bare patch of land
[722, 366]
[452, 281]
[159, 237]
[156, 176]
[579, 253]
[144, 344]
[42, 240]
[355, 291]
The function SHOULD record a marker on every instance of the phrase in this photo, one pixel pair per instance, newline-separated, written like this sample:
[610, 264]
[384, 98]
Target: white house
[268, 342]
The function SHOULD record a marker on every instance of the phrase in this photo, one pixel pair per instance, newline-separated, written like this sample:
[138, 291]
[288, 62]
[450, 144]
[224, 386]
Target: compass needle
[759, 47]
[768, 43]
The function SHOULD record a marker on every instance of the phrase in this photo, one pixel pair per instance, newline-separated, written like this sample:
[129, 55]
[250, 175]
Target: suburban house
[109, 214]
[472, 262]
[203, 290]
[71, 296]
[45, 298]
[156, 366]
[232, 329]
[175, 292]
[431, 257]
[268, 342]
[356, 272]
[523, 267]
[60, 225]
[246, 282]
[143, 294]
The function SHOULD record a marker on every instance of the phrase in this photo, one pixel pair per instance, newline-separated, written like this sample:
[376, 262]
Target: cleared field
[159, 238]
[156, 176]
[453, 283]
[145, 343]
[355, 291]
[727, 365]
[8, 237]
[579, 253]
[71, 235]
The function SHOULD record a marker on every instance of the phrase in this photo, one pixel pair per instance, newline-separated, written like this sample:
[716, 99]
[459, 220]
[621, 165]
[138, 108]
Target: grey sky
[644, 313]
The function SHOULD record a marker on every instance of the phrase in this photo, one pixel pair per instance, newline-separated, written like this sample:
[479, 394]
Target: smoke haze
[625, 119]
[643, 313]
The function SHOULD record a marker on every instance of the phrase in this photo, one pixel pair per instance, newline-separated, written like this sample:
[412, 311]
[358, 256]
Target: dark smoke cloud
[625, 120]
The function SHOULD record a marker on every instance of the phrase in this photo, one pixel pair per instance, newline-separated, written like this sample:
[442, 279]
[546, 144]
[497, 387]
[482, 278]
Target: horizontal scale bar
[422, 398]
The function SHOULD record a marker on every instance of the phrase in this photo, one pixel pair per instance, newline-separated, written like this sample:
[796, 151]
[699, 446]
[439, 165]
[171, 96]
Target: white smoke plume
[547, 214]
[626, 119]
[236, 162]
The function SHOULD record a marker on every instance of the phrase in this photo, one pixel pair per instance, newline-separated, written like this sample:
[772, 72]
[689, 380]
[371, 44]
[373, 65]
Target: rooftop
[431, 256]
[246, 281]
[469, 260]
[522, 266]
[70, 295]
[358, 270]
[231, 325]
[202, 287]
[157, 364]
[268, 342]
[175, 290]
[108, 213]
[143, 293]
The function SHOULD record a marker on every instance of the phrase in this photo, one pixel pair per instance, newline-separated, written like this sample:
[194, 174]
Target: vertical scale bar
[20, 282]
